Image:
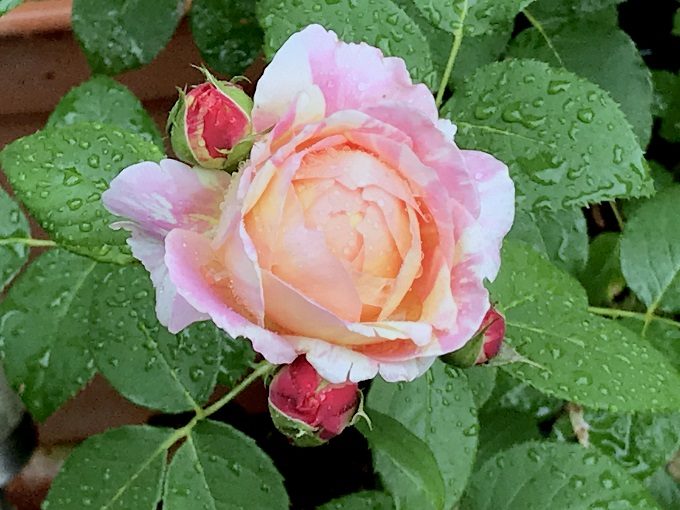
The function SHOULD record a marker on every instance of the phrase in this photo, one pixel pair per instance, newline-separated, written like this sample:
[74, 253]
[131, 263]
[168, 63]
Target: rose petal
[198, 273]
[157, 198]
[172, 309]
[497, 196]
[160, 197]
[349, 76]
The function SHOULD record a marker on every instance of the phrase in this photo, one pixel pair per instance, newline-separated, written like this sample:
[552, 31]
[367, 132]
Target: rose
[485, 344]
[493, 333]
[357, 234]
[308, 409]
[210, 125]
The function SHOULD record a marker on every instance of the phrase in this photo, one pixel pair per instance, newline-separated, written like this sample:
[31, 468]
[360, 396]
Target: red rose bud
[483, 346]
[493, 332]
[210, 125]
[307, 408]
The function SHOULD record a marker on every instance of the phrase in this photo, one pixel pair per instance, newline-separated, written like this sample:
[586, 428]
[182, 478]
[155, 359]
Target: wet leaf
[238, 357]
[439, 409]
[603, 54]
[515, 396]
[219, 467]
[500, 429]
[227, 34]
[118, 35]
[572, 354]
[366, 500]
[551, 13]
[60, 174]
[102, 99]
[45, 328]
[380, 23]
[140, 358]
[650, 251]
[13, 224]
[602, 277]
[641, 443]
[565, 140]
[552, 475]
[119, 469]
[482, 381]
[399, 456]
[667, 104]
[562, 236]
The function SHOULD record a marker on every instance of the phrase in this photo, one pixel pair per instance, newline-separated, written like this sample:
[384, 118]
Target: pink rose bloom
[357, 234]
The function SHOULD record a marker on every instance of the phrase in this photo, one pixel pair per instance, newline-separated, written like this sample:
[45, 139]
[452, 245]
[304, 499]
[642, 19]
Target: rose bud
[308, 409]
[484, 345]
[210, 125]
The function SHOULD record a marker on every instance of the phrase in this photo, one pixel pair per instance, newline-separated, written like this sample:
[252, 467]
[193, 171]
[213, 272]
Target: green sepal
[300, 433]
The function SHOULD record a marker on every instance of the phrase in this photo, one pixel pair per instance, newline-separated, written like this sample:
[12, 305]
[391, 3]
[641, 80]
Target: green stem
[28, 241]
[645, 318]
[261, 370]
[201, 414]
[537, 25]
[455, 46]
[617, 215]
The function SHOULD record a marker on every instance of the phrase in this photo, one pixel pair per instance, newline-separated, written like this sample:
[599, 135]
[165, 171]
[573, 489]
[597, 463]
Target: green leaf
[401, 456]
[227, 34]
[118, 35]
[119, 469]
[487, 16]
[514, 396]
[140, 358]
[662, 179]
[552, 475]
[238, 357]
[439, 409]
[443, 14]
[502, 429]
[365, 500]
[641, 443]
[218, 467]
[103, 99]
[565, 140]
[8, 5]
[555, 12]
[60, 174]
[13, 224]
[45, 327]
[482, 381]
[477, 51]
[663, 334]
[573, 354]
[562, 236]
[650, 252]
[602, 277]
[676, 23]
[482, 17]
[603, 54]
[667, 104]
[380, 23]
[665, 489]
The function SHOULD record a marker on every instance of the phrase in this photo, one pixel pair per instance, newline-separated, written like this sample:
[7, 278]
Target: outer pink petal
[338, 364]
[172, 309]
[348, 76]
[497, 196]
[192, 264]
[157, 198]
[160, 197]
